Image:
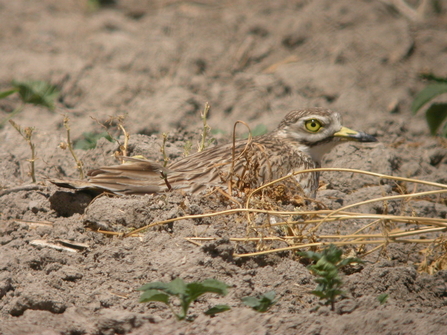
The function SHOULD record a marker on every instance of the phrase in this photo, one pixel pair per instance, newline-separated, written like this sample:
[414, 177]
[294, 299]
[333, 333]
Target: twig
[392, 197]
[79, 164]
[122, 147]
[415, 15]
[230, 211]
[163, 150]
[323, 244]
[27, 134]
[21, 188]
[206, 128]
[126, 140]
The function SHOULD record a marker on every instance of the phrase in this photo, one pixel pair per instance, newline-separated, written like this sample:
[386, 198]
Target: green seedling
[217, 309]
[186, 293]
[94, 5]
[89, 140]
[382, 298]
[436, 113]
[261, 303]
[36, 92]
[259, 130]
[327, 266]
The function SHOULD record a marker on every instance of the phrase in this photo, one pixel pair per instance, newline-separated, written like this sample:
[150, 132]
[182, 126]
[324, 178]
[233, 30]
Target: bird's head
[316, 131]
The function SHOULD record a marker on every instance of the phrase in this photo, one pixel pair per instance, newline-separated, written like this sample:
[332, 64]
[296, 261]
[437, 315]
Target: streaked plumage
[299, 142]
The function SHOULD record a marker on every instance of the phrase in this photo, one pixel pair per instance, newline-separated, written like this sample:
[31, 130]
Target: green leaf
[90, 139]
[153, 286]
[335, 293]
[195, 290]
[431, 76]
[259, 130]
[319, 294]
[428, 93]
[270, 295]
[436, 115]
[261, 304]
[444, 131]
[250, 301]
[216, 286]
[310, 254]
[4, 94]
[217, 309]
[37, 93]
[176, 287]
[382, 298]
[154, 295]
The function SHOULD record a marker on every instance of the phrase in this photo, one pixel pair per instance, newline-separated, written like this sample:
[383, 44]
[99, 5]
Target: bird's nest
[273, 230]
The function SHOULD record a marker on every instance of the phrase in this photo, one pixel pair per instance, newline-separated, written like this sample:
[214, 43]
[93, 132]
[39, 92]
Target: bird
[298, 142]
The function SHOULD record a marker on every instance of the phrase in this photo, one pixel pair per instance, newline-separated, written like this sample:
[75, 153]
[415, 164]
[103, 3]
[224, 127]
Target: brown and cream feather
[292, 146]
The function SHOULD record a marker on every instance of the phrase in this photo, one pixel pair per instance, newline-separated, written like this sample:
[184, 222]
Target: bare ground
[158, 62]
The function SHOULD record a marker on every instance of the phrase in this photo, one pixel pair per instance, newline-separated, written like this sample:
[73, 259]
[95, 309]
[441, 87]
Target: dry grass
[279, 231]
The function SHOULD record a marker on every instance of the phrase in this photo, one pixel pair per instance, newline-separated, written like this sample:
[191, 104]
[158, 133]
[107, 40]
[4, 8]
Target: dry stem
[79, 164]
[206, 129]
[301, 232]
[27, 134]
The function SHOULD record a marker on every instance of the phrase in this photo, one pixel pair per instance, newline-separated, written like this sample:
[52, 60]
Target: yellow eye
[313, 125]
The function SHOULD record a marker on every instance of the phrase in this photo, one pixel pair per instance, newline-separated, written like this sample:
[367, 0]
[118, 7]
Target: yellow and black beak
[352, 135]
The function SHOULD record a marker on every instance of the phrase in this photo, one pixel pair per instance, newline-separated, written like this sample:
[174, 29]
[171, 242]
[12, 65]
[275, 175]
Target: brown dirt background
[159, 61]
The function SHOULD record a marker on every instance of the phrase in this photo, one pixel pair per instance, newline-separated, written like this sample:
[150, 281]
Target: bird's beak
[352, 135]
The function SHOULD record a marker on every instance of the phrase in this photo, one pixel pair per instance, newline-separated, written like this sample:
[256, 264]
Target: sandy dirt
[158, 62]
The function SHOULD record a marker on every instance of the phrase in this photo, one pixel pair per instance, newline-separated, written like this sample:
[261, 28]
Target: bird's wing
[135, 176]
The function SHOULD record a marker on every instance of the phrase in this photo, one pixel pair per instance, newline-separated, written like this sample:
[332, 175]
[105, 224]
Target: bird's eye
[313, 125]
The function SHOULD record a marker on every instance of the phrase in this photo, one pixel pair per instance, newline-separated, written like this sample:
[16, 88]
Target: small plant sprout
[217, 309]
[436, 113]
[186, 293]
[382, 298]
[261, 303]
[327, 266]
[90, 139]
[37, 93]
[27, 134]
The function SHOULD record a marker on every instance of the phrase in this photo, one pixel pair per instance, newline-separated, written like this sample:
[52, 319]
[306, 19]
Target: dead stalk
[163, 150]
[206, 128]
[79, 164]
[301, 232]
[27, 134]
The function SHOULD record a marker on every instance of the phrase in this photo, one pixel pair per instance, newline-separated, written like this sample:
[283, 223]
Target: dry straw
[305, 229]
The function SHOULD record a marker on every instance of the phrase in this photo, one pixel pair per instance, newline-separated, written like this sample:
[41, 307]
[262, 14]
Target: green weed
[33, 92]
[327, 266]
[382, 298]
[436, 113]
[186, 293]
[89, 140]
[261, 303]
